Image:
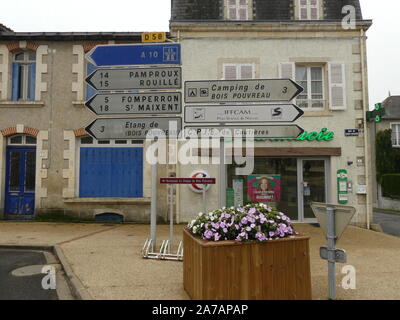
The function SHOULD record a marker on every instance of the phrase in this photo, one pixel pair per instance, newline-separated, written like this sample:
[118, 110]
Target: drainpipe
[366, 133]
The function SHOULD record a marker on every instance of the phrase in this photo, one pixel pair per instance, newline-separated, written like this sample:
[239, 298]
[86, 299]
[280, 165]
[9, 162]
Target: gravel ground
[107, 259]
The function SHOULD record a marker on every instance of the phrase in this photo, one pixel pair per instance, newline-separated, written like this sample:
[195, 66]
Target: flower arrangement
[244, 223]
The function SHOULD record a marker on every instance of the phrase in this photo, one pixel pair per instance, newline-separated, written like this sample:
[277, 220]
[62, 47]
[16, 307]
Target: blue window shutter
[90, 92]
[32, 81]
[111, 172]
[15, 81]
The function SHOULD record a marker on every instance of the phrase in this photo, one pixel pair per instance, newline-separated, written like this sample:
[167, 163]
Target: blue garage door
[111, 173]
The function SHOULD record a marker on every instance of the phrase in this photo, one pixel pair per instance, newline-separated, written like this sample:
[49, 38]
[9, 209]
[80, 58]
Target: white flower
[201, 214]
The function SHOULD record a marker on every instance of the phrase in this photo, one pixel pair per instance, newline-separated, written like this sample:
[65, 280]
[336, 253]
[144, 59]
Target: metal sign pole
[171, 217]
[331, 252]
[222, 188]
[153, 217]
[204, 199]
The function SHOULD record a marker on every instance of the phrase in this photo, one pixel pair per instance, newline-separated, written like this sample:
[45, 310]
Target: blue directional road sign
[135, 54]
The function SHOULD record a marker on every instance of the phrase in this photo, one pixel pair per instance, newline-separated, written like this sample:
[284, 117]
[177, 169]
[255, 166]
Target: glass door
[313, 186]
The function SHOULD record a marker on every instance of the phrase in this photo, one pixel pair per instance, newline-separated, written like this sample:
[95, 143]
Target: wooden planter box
[230, 270]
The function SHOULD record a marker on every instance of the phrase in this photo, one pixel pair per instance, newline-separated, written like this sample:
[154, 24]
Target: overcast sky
[153, 15]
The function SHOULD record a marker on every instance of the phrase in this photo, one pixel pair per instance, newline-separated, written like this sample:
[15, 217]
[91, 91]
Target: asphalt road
[22, 288]
[390, 222]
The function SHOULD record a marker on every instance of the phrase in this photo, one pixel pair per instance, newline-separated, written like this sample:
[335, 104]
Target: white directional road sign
[242, 113]
[262, 90]
[111, 79]
[257, 132]
[136, 103]
[134, 128]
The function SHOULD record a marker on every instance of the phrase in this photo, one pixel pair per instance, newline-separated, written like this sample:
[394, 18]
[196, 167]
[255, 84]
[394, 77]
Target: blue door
[20, 182]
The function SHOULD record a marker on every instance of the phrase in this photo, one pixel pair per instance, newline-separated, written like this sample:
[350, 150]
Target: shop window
[311, 78]
[238, 9]
[110, 169]
[235, 71]
[309, 9]
[273, 181]
[395, 134]
[23, 76]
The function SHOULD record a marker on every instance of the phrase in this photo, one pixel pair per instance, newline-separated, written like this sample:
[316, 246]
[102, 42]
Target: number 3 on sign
[284, 90]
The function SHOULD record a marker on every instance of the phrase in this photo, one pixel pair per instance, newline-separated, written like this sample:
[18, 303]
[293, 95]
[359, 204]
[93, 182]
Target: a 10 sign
[153, 37]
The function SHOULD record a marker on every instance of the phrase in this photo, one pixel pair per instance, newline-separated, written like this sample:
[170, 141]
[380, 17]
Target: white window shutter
[337, 86]
[287, 70]
[230, 72]
[247, 71]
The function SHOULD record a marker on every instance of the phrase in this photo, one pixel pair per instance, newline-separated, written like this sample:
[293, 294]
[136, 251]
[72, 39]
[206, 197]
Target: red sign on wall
[187, 180]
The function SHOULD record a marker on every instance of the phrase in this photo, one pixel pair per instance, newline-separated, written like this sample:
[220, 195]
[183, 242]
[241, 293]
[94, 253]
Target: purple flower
[208, 234]
[217, 237]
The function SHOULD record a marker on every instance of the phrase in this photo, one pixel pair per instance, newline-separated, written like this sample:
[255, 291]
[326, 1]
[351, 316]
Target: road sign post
[149, 103]
[135, 128]
[135, 54]
[122, 79]
[119, 72]
[333, 220]
[241, 91]
[242, 113]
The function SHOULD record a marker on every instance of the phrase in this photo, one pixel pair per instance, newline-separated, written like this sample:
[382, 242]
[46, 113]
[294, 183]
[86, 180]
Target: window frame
[238, 66]
[309, 7]
[23, 143]
[309, 99]
[25, 64]
[237, 7]
[392, 125]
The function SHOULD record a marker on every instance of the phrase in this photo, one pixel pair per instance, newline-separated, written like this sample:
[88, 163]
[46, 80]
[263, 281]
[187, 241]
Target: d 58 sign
[153, 37]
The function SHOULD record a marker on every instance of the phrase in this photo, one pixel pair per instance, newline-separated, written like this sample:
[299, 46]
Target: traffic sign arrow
[135, 78]
[262, 90]
[240, 113]
[136, 103]
[135, 54]
[134, 128]
[256, 132]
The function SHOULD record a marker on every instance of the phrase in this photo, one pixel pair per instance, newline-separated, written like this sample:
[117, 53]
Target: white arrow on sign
[134, 128]
[260, 90]
[136, 103]
[109, 79]
[240, 113]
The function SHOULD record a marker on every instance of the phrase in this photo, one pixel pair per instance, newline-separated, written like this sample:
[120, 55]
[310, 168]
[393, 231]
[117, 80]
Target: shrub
[391, 185]
[244, 223]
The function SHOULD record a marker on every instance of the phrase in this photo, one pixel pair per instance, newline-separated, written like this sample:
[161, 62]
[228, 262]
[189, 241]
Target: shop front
[288, 183]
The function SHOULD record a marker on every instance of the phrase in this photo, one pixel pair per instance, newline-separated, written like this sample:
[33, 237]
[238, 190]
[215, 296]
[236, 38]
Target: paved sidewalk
[107, 259]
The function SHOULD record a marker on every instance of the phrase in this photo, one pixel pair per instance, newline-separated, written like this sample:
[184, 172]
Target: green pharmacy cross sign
[377, 114]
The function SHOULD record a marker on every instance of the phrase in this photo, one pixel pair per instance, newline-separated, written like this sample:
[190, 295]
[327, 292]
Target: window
[237, 71]
[395, 134]
[22, 140]
[23, 76]
[309, 9]
[110, 168]
[311, 78]
[238, 9]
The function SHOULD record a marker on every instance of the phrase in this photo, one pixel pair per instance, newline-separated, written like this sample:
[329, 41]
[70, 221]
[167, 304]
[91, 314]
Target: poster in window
[264, 188]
